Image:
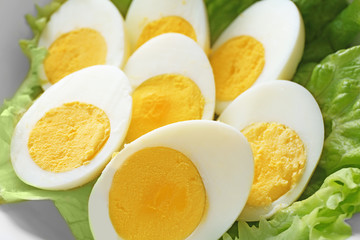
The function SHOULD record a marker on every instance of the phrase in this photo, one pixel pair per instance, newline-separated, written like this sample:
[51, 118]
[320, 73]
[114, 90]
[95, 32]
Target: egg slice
[67, 136]
[187, 180]
[82, 33]
[149, 18]
[284, 126]
[172, 81]
[264, 42]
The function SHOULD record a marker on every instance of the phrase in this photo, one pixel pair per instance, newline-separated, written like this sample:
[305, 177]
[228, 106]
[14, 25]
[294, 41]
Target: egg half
[82, 33]
[264, 42]
[149, 18]
[68, 135]
[172, 81]
[284, 126]
[187, 180]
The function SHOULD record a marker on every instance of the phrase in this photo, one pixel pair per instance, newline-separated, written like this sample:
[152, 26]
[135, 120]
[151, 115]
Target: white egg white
[99, 15]
[292, 105]
[278, 26]
[222, 156]
[173, 53]
[142, 12]
[105, 87]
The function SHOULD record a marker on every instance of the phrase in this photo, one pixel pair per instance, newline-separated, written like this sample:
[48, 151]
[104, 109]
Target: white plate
[37, 219]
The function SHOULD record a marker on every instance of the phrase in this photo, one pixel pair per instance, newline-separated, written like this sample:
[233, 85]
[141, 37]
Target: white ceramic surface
[36, 220]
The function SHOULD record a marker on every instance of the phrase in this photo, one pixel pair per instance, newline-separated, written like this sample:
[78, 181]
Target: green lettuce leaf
[335, 83]
[122, 5]
[317, 14]
[221, 13]
[320, 216]
[71, 204]
[334, 27]
[338, 34]
[12, 110]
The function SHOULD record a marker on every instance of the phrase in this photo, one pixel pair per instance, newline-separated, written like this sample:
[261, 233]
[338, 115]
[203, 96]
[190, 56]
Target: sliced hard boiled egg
[172, 80]
[149, 18]
[187, 180]
[82, 33]
[264, 42]
[68, 135]
[284, 126]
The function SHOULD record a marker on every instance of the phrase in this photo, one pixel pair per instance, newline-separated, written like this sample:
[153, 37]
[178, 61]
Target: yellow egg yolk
[170, 24]
[279, 157]
[156, 194]
[73, 51]
[237, 64]
[162, 100]
[68, 136]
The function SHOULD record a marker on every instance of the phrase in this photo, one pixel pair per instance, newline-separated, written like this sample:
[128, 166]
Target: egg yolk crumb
[73, 51]
[68, 136]
[237, 64]
[162, 100]
[170, 24]
[279, 157]
[157, 193]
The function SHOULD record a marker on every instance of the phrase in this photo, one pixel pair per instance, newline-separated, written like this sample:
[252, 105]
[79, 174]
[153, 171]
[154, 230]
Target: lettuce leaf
[339, 33]
[222, 12]
[12, 110]
[71, 204]
[320, 216]
[122, 5]
[317, 14]
[335, 83]
[332, 28]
